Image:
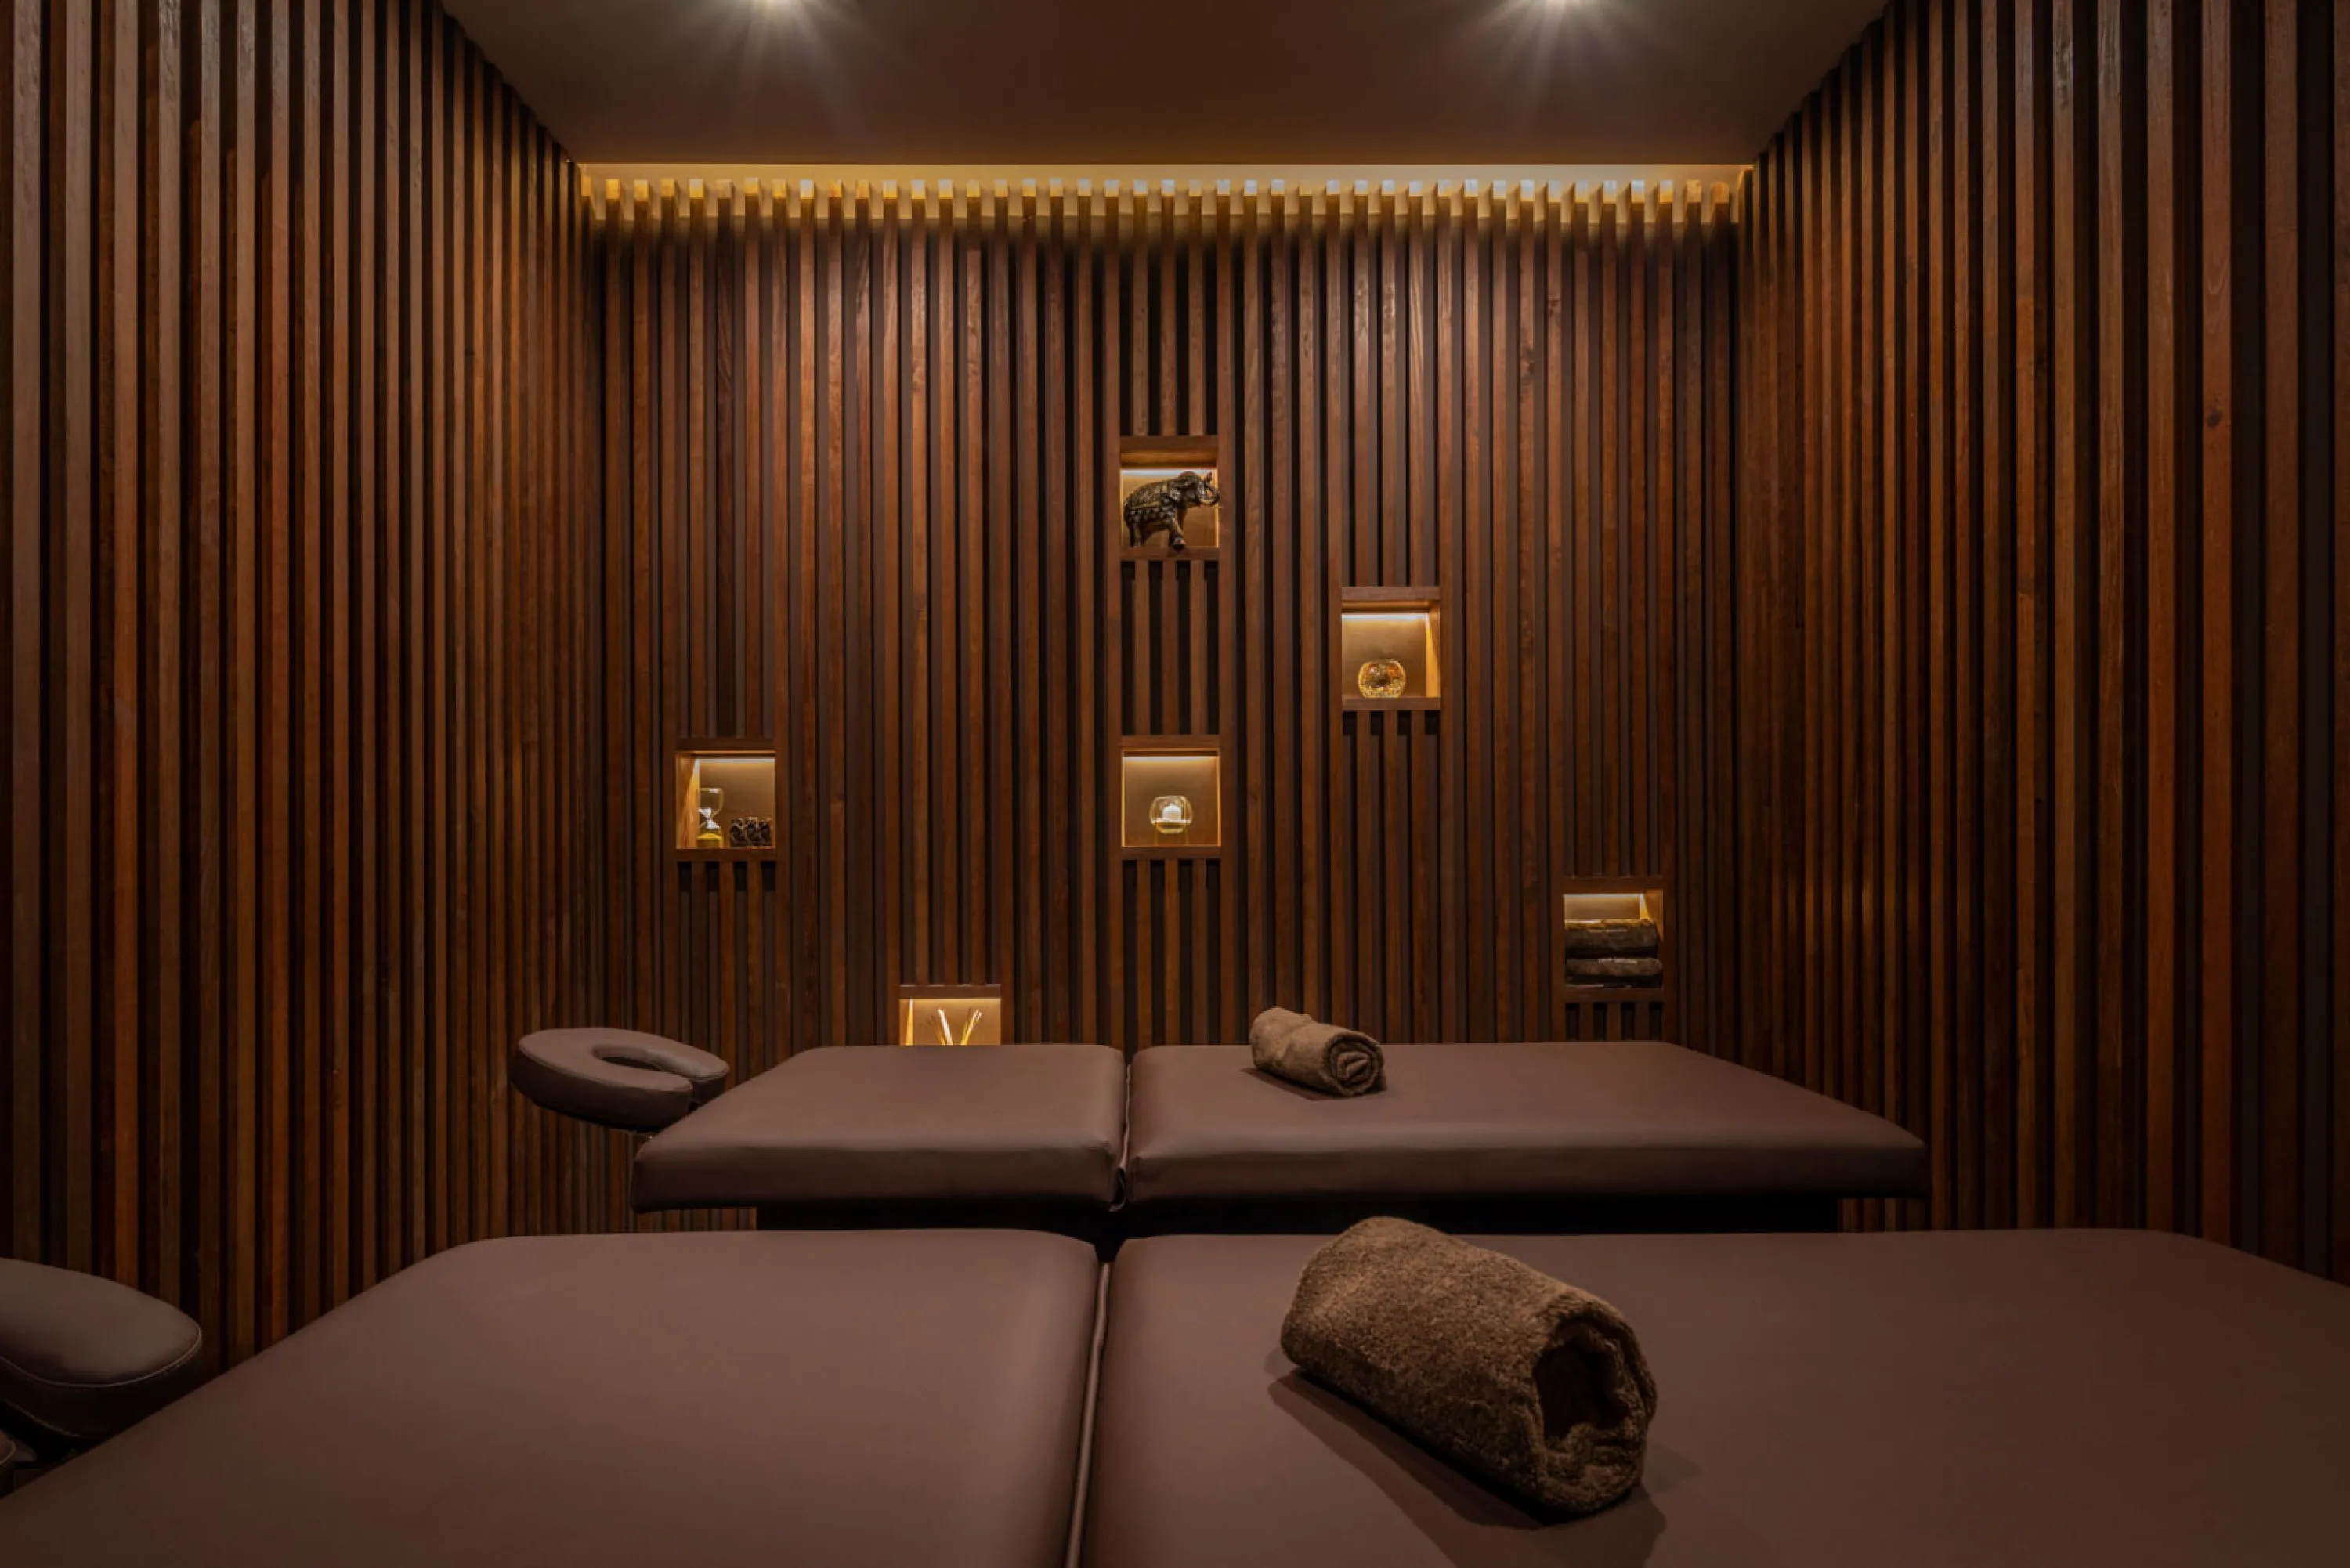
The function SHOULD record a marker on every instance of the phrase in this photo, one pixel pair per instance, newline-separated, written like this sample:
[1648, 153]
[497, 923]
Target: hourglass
[707, 802]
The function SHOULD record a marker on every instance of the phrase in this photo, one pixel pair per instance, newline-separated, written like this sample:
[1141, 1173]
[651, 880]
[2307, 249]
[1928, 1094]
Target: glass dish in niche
[1381, 678]
[1170, 814]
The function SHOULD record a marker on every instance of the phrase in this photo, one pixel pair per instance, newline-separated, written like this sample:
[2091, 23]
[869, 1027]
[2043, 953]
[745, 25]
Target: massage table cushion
[1596, 1120]
[726, 1400]
[2040, 1399]
[83, 1357]
[850, 1128]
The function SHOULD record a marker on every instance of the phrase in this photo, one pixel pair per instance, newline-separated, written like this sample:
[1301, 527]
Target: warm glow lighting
[745, 781]
[952, 1015]
[1147, 777]
[1397, 631]
[1606, 906]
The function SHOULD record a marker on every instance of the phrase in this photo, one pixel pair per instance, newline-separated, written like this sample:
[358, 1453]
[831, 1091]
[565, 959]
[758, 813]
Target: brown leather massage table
[1539, 1138]
[2028, 1400]
[848, 1400]
[1024, 1136]
[908, 1400]
[1590, 1136]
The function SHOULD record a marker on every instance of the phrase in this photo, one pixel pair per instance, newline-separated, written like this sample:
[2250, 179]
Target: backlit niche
[950, 1015]
[724, 805]
[1390, 649]
[1170, 792]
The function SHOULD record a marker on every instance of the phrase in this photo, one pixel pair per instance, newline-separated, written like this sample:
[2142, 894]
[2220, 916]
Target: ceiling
[905, 83]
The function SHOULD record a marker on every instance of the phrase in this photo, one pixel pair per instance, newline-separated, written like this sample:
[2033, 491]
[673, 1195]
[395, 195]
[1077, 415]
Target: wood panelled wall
[289, 366]
[2045, 609]
[859, 462]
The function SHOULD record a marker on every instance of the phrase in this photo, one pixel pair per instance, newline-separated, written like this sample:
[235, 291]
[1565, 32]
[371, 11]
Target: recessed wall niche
[1170, 792]
[724, 807]
[950, 1015]
[1390, 649]
[1608, 953]
[1156, 459]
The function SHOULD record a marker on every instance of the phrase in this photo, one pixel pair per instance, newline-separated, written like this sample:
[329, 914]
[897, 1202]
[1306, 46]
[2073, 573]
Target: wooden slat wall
[291, 356]
[2044, 610]
[860, 469]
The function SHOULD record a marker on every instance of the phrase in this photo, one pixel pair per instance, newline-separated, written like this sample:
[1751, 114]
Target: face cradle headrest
[616, 1077]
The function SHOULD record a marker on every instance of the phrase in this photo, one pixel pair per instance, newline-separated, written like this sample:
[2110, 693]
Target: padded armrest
[84, 1358]
[615, 1078]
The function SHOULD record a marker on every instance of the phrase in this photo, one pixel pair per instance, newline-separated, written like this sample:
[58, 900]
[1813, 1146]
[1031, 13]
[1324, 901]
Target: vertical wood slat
[21, 306]
[2130, 396]
[228, 249]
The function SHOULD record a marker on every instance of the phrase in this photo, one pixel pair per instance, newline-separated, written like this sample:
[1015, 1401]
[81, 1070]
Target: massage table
[1591, 1135]
[861, 1399]
[2033, 1401]
[881, 1400]
[1540, 1137]
[860, 1138]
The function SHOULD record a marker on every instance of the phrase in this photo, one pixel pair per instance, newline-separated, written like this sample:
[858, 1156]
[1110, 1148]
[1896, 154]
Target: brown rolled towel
[1532, 1383]
[1316, 1055]
[1625, 968]
[1611, 939]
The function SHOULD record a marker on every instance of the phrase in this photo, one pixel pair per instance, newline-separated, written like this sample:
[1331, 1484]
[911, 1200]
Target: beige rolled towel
[1534, 1385]
[1313, 1055]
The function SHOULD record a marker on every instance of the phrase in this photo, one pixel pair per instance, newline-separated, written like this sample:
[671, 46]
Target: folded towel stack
[1618, 971]
[1614, 953]
[1313, 1055]
[1532, 1383]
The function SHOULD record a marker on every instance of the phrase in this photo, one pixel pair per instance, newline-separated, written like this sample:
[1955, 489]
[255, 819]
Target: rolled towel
[1316, 1055]
[1532, 1383]
[1612, 938]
